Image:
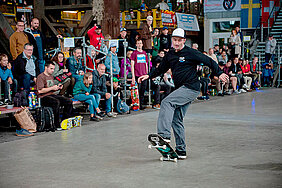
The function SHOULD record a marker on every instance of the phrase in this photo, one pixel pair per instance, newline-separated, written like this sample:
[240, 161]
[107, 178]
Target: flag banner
[187, 22]
[266, 10]
[250, 14]
[221, 5]
[168, 18]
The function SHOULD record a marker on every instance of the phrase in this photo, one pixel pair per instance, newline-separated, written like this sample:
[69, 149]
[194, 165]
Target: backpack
[122, 107]
[44, 118]
[20, 99]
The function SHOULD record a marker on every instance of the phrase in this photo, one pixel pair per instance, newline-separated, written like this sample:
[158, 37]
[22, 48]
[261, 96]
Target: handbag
[25, 119]
[63, 77]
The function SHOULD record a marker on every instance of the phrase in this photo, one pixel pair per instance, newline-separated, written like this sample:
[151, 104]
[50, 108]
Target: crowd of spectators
[61, 80]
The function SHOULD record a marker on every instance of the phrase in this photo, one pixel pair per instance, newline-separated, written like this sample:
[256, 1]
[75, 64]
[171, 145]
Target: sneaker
[101, 114]
[227, 93]
[98, 117]
[23, 132]
[245, 86]
[220, 93]
[94, 119]
[59, 129]
[110, 114]
[236, 92]
[6, 101]
[201, 98]
[181, 154]
[207, 97]
[242, 91]
[157, 106]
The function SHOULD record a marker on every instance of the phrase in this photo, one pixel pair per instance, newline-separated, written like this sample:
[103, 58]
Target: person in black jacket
[165, 40]
[25, 67]
[183, 62]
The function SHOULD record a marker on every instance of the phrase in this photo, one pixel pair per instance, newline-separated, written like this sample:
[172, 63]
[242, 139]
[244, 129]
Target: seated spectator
[246, 75]
[212, 55]
[81, 92]
[128, 66]
[195, 46]
[216, 49]
[232, 78]
[26, 68]
[6, 78]
[235, 70]
[91, 64]
[74, 64]
[115, 64]
[222, 57]
[221, 87]
[60, 68]
[117, 94]
[267, 74]
[48, 92]
[255, 71]
[99, 88]
[204, 74]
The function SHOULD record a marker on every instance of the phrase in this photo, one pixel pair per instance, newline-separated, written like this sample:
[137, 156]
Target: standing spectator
[235, 43]
[81, 92]
[123, 36]
[74, 64]
[162, 5]
[26, 68]
[99, 88]
[239, 33]
[212, 55]
[255, 71]
[139, 67]
[270, 46]
[6, 78]
[146, 35]
[165, 40]
[60, 68]
[95, 35]
[246, 75]
[115, 64]
[17, 40]
[156, 41]
[134, 35]
[48, 92]
[128, 66]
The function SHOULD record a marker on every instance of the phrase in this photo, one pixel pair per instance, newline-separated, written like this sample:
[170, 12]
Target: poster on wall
[168, 18]
[188, 22]
[221, 5]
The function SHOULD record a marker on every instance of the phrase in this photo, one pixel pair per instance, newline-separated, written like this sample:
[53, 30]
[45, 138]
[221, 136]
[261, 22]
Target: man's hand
[86, 93]
[10, 81]
[108, 95]
[34, 79]
[224, 77]
[142, 78]
[133, 80]
[9, 66]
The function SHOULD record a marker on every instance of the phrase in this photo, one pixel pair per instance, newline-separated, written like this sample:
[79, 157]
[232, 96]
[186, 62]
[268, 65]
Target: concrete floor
[234, 141]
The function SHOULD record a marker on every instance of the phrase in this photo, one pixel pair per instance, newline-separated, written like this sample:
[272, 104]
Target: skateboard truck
[157, 146]
[162, 158]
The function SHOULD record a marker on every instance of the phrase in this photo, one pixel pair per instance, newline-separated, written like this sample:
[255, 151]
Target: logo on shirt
[141, 58]
[181, 59]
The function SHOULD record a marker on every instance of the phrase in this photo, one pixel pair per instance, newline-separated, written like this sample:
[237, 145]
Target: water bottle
[30, 100]
[33, 100]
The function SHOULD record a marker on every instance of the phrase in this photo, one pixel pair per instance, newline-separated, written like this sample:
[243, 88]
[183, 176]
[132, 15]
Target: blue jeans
[7, 87]
[108, 102]
[26, 79]
[90, 99]
[172, 112]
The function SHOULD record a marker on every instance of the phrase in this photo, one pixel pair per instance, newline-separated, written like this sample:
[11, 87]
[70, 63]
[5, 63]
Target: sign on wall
[222, 5]
[187, 22]
[168, 18]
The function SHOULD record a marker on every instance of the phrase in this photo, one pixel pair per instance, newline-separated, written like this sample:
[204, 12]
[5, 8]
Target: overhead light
[69, 11]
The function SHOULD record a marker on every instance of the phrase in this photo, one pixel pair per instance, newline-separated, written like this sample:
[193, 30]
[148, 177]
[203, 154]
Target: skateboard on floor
[77, 121]
[168, 154]
[134, 96]
[69, 123]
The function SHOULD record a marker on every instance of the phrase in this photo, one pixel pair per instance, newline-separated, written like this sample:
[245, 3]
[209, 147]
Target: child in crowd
[117, 95]
[267, 74]
[81, 93]
[6, 78]
[128, 66]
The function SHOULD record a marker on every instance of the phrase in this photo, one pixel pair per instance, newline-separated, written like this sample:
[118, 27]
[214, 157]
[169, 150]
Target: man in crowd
[165, 40]
[99, 88]
[139, 67]
[222, 57]
[17, 40]
[75, 65]
[147, 35]
[95, 35]
[255, 71]
[236, 70]
[48, 92]
[195, 46]
[122, 36]
[162, 5]
[212, 55]
[6, 77]
[270, 46]
[216, 49]
[26, 67]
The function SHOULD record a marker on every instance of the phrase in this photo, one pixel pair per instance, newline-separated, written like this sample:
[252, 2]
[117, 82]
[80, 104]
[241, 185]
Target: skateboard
[168, 154]
[69, 123]
[134, 96]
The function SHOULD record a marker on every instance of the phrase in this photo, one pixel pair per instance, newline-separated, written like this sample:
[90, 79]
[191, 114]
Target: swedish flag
[250, 13]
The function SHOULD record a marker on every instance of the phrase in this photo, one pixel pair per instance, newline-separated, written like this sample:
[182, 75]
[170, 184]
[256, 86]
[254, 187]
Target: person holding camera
[48, 93]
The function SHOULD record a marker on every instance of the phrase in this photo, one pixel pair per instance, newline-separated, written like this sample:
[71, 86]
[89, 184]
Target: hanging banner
[188, 22]
[222, 5]
[269, 7]
[168, 18]
[250, 14]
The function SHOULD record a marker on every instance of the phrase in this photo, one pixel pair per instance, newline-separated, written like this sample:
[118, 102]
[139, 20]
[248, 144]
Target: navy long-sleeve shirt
[183, 65]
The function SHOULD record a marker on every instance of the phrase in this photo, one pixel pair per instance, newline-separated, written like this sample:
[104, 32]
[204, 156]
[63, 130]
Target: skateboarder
[183, 62]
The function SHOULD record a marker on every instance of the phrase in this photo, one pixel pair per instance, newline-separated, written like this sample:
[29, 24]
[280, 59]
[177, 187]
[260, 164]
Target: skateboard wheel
[175, 160]
[161, 158]
[150, 146]
[164, 146]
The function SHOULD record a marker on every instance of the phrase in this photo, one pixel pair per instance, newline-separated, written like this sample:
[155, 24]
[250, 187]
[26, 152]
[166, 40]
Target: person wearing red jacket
[95, 35]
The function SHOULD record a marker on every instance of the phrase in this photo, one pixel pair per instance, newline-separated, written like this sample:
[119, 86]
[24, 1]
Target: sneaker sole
[24, 135]
[182, 157]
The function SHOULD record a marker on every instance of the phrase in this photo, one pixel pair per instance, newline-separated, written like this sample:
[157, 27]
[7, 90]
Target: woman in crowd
[128, 66]
[235, 42]
[90, 60]
[81, 92]
[156, 43]
[60, 70]
[246, 75]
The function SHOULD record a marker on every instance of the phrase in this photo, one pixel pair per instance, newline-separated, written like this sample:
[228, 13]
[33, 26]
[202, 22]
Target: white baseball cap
[150, 18]
[178, 33]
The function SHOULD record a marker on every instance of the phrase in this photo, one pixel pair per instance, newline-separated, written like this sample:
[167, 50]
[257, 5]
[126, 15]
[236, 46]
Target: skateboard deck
[77, 121]
[134, 96]
[168, 154]
[69, 123]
